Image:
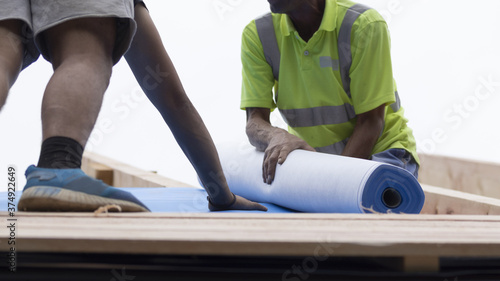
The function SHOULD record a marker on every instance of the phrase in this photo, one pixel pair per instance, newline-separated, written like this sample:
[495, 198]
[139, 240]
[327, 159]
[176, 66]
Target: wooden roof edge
[119, 174]
[444, 201]
[447, 158]
[476, 177]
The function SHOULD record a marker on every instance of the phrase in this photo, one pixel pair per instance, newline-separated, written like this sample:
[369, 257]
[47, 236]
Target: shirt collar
[328, 23]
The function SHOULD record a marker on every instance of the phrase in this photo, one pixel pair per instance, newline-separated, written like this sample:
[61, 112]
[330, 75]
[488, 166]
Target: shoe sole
[56, 199]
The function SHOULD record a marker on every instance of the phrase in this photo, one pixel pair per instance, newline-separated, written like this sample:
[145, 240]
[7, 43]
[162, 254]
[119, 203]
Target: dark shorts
[40, 15]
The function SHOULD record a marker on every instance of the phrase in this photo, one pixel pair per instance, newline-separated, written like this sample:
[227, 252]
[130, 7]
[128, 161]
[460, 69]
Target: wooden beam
[443, 201]
[477, 177]
[419, 239]
[124, 175]
[100, 172]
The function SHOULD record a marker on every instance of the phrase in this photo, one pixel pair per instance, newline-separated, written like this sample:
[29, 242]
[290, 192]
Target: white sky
[443, 52]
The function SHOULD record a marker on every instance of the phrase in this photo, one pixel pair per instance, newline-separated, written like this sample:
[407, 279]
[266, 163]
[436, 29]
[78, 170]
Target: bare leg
[11, 55]
[81, 54]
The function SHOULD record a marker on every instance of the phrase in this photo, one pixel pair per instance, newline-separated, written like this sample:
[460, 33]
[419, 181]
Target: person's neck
[307, 17]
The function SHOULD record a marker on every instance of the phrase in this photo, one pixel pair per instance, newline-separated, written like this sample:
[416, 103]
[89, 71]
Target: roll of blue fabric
[322, 183]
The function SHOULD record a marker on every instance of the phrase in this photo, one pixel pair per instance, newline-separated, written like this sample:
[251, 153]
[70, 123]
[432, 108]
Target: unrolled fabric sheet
[185, 200]
[321, 183]
[169, 200]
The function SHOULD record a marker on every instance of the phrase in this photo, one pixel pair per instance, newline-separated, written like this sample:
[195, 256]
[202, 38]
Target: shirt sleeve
[372, 82]
[258, 79]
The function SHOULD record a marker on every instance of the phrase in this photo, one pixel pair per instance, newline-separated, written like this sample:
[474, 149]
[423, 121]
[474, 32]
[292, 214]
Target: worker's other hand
[239, 203]
[277, 151]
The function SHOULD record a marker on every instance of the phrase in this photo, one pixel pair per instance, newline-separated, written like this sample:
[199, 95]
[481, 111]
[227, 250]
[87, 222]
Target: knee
[11, 51]
[8, 75]
[86, 63]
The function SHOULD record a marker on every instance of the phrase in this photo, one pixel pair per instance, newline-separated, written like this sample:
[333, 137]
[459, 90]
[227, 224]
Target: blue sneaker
[71, 190]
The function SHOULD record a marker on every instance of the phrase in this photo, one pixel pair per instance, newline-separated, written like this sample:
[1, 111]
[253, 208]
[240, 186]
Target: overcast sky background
[446, 63]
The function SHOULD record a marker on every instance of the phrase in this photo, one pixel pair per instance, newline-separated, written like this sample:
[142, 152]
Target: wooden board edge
[124, 175]
[440, 200]
[472, 176]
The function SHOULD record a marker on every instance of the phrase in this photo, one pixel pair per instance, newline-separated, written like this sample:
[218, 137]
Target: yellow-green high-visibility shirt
[310, 81]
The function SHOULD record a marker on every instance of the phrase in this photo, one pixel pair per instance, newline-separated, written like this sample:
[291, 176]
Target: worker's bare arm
[275, 142]
[366, 133]
[259, 129]
[158, 78]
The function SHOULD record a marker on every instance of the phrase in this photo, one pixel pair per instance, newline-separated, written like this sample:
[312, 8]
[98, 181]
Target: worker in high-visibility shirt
[330, 66]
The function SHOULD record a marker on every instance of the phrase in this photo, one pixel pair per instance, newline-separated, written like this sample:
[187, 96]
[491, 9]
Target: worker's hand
[239, 203]
[277, 151]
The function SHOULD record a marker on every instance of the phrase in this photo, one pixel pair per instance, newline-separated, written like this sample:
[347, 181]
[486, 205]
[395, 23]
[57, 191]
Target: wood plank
[234, 234]
[125, 175]
[477, 177]
[440, 200]
[100, 172]
[271, 216]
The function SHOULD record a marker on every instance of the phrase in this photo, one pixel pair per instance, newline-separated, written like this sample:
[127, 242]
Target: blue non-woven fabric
[184, 200]
[320, 183]
[168, 200]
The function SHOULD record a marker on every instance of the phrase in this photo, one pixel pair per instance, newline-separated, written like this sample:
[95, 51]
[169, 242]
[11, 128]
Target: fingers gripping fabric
[322, 183]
